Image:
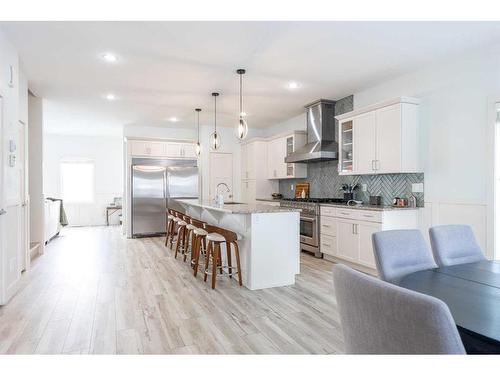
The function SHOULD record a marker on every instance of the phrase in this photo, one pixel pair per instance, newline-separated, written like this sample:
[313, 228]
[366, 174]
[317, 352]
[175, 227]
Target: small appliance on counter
[276, 196]
[375, 200]
[302, 190]
[348, 190]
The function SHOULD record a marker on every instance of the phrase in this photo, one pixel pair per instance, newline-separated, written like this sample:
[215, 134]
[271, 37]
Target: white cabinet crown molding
[275, 136]
[373, 107]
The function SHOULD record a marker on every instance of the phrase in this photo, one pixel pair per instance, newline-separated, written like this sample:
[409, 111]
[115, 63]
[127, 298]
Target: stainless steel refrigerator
[154, 181]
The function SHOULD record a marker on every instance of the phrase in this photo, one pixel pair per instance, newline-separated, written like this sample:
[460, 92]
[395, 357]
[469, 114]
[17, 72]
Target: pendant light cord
[215, 113]
[241, 96]
[198, 126]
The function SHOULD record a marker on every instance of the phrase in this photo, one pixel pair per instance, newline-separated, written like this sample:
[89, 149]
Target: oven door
[309, 230]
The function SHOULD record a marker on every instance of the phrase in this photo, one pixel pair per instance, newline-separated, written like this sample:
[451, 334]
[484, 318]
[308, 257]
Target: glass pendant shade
[215, 141]
[242, 129]
[215, 137]
[198, 144]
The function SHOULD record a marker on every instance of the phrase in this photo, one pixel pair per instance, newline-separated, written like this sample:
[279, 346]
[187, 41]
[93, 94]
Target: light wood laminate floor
[93, 291]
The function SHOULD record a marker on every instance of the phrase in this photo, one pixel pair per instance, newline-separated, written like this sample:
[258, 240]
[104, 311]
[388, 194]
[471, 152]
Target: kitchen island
[270, 243]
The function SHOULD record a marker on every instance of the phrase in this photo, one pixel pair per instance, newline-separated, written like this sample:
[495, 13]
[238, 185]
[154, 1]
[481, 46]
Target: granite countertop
[368, 207]
[239, 208]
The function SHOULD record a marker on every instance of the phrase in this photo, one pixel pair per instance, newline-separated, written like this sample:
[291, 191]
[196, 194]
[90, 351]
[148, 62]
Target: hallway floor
[93, 291]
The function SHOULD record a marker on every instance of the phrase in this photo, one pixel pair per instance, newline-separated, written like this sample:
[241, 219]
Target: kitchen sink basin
[228, 203]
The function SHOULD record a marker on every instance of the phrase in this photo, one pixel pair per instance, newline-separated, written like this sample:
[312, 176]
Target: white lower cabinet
[346, 234]
[364, 232]
[348, 247]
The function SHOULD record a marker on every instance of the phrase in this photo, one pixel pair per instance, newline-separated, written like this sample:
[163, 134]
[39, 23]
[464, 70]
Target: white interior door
[221, 171]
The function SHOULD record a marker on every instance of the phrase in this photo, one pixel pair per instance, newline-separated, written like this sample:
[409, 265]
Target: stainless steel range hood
[322, 136]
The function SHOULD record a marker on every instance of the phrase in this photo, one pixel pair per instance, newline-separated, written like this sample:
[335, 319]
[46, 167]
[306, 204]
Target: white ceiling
[169, 68]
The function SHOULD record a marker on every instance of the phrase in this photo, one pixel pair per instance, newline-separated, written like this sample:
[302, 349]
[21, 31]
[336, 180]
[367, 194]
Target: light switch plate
[12, 160]
[291, 187]
[12, 145]
[417, 188]
[364, 187]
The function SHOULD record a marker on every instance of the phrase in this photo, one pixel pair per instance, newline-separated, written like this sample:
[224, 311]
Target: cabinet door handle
[11, 79]
[373, 165]
[325, 245]
[326, 226]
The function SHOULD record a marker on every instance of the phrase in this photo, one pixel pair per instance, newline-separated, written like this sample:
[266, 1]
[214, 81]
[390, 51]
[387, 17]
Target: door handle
[2, 211]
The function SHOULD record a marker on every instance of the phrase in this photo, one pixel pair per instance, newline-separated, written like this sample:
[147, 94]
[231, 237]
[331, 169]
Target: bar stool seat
[190, 227]
[215, 237]
[200, 232]
[171, 217]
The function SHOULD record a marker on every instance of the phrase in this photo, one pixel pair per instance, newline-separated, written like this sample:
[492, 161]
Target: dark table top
[472, 293]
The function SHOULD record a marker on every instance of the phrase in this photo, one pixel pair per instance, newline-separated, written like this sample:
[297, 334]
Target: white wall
[292, 124]
[106, 152]
[35, 154]
[454, 138]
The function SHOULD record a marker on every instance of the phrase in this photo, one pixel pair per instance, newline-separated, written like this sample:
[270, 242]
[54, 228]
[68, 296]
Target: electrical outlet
[291, 187]
[364, 187]
[417, 188]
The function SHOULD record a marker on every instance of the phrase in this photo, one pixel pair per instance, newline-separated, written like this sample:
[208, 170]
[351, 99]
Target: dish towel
[63, 219]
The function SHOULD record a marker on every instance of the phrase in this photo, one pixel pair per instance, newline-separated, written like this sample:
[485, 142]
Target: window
[77, 181]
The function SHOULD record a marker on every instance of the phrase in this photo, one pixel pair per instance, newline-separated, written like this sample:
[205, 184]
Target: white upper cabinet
[278, 149]
[163, 149]
[145, 148]
[251, 155]
[364, 152]
[382, 138]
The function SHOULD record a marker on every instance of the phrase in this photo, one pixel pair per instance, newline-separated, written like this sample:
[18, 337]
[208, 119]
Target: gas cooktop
[317, 200]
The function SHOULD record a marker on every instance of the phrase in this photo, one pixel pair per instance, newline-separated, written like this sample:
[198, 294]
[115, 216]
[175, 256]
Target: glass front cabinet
[346, 165]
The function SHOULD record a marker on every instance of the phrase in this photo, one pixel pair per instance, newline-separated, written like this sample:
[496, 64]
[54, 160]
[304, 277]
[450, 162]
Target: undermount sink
[228, 203]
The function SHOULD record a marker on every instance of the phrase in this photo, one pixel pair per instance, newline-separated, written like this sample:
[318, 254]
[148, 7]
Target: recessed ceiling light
[173, 119]
[109, 57]
[110, 96]
[293, 85]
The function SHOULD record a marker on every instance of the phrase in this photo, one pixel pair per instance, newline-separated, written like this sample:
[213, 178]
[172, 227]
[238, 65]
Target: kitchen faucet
[218, 197]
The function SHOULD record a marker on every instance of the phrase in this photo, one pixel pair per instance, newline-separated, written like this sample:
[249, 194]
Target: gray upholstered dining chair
[381, 318]
[401, 252]
[454, 244]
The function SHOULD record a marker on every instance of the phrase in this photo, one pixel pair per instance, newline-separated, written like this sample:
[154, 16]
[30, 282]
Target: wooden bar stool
[215, 237]
[170, 225]
[198, 245]
[181, 233]
[174, 218]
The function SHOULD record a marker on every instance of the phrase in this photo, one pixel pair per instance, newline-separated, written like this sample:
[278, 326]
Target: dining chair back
[454, 244]
[401, 252]
[381, 318]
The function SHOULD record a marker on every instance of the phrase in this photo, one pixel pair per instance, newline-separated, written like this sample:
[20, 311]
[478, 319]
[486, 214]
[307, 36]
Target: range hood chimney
[322, 134]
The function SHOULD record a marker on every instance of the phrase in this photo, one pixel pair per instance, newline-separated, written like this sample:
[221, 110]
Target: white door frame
[493, 178]
[25, 199]
[3, 296]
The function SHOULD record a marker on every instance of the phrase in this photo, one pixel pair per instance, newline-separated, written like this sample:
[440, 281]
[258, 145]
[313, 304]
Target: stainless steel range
[309, 220]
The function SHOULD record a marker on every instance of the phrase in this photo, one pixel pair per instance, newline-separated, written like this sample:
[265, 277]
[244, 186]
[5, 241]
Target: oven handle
[311, 219]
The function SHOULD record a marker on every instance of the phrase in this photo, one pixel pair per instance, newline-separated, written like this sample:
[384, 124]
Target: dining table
[472, 293]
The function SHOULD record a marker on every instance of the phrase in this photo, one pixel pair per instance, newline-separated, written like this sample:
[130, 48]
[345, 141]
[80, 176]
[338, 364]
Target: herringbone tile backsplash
[325, 181]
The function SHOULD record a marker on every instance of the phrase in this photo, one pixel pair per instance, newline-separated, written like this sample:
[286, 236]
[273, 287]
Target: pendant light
[242, 127]
[215, 137]
[198, 145]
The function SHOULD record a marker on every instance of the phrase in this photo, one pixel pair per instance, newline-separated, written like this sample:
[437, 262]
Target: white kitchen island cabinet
[270, 243]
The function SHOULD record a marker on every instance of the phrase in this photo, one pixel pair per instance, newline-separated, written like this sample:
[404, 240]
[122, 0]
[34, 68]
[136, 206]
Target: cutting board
[301, 186]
